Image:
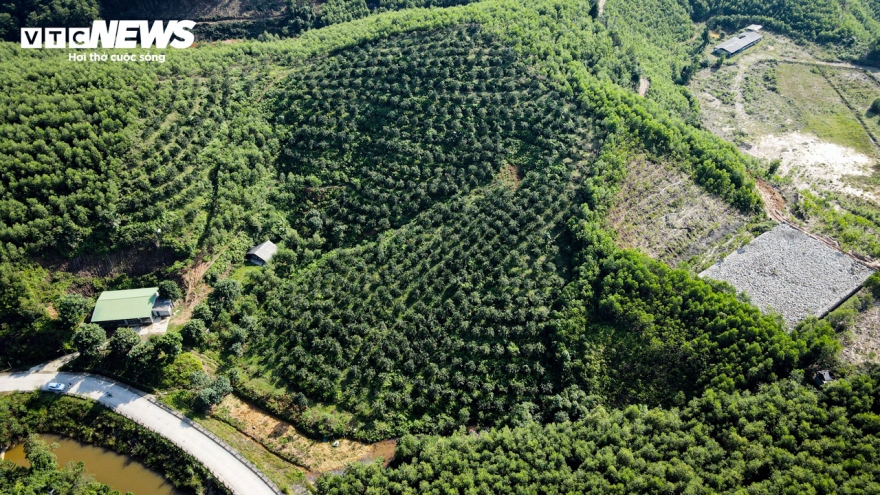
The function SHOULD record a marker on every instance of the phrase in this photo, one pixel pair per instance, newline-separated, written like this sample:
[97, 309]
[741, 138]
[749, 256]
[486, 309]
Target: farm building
[754, 27]
[738, 44]
[130, 308]
[162, 308]
[261, 253]
[822, 377]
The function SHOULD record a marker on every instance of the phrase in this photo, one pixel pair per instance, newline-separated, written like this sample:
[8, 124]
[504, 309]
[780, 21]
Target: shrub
[168, 289]
[193, 333]
[89, 339]
[72, 308]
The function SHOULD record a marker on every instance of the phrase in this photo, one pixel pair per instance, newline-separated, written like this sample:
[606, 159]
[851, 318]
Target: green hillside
[785, 438]
[437, 180]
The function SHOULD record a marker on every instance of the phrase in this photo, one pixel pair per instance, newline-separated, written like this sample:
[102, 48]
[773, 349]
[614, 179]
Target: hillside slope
[440, 183]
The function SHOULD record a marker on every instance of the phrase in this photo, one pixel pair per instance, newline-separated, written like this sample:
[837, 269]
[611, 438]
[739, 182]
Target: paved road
[231, 471]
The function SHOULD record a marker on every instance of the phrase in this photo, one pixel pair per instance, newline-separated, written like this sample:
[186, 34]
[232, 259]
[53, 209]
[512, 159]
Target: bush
[193, 333]
[89, 339]
[873, 285]
[123, 341]
[168, 289]
[875, 107]
[72, 308]
[167, 346]
[225, 292]
[210, 392]
[203, 312]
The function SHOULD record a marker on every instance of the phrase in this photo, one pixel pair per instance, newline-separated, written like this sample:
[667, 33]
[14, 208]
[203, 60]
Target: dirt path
[644, 84]
[223, 461]
[774, 203]
[601, 7]
[739, 106]
[243, 19]
[195, 289]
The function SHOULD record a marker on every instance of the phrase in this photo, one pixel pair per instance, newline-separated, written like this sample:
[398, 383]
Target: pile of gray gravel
[789, 272]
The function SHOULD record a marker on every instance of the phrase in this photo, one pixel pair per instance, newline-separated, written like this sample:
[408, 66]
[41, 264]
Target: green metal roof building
[131, 308]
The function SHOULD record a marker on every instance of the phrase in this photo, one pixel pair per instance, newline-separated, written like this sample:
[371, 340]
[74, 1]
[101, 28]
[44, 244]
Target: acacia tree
[168, 289]
[72, 308]
[88, 339]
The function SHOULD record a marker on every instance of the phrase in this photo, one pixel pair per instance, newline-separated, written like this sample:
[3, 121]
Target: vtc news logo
[112, 34]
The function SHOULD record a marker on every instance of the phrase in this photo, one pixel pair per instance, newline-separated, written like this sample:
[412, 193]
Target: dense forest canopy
[853, 26]
[784, 438]
[17, 14]
[846, 23]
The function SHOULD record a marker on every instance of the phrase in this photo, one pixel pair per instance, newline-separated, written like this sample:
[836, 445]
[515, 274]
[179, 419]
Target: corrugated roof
[129, 304]
[264, 251]
[736, 44]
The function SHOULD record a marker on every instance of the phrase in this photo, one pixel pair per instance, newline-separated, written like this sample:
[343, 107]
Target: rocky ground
[791, 273]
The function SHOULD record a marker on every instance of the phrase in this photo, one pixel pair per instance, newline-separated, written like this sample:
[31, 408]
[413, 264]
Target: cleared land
[777, 101]
[791, 273]
[661, 211]
[793, 103]
[283, 439]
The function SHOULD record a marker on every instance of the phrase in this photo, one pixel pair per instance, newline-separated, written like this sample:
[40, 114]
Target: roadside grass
[283, 473]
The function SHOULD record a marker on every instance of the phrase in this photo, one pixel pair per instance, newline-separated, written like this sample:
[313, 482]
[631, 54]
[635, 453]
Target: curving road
[218, 457]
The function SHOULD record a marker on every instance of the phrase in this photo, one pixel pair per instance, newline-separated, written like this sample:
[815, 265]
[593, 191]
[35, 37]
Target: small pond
[115, 470]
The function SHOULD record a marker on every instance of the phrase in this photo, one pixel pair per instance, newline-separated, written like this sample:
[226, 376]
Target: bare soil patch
[644, 84]
[195, 289]
[816, 164]
[661, 211]
[774, 203]
[282, 438]
[510, 175]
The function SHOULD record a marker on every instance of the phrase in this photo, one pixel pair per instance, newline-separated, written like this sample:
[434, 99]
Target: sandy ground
[218, 457]
[812, 162]
[644, 84]
[283, 439]
[157, 328]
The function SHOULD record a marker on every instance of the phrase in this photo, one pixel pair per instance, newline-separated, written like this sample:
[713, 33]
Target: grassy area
[242, 273]
[285, 474]
[818, 107]
[854, 223]
[860, 89]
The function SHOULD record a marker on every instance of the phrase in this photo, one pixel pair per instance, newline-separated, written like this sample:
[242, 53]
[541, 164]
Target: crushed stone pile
[787, 271]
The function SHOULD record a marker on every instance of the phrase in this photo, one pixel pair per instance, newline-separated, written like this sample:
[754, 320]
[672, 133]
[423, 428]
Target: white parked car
[55, 387]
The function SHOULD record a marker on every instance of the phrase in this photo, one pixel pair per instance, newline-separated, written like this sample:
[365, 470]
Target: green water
[115, 470]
